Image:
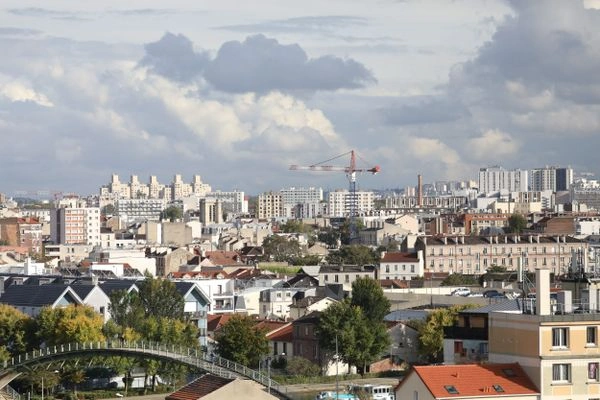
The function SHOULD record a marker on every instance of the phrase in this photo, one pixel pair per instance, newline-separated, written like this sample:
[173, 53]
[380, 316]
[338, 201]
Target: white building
[551, 178]
[340, 203]
[233, 202]
[301, 202]
[139, 209]
[497, 179]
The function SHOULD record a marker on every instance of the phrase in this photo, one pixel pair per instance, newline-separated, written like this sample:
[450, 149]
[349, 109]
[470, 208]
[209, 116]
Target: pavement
[318, 387]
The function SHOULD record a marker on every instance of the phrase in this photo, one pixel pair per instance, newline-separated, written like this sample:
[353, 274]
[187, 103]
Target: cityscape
[385, 200]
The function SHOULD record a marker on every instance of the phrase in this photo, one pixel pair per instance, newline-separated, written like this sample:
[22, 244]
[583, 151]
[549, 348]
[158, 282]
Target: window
[561, 373]
[560, 337]
[591, 335]
[593, 371]
[451, 389]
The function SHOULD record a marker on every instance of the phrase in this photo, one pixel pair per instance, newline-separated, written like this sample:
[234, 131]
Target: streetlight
[337, 363]
[56, 372]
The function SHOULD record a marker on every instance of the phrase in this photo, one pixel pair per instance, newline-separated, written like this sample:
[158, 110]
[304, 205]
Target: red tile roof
[214, 322]
[397, 257]
[221, 257]
[475, 380]
[284, 334]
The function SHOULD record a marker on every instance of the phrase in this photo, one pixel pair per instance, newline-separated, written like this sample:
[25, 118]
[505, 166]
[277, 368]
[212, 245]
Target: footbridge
[12, 368]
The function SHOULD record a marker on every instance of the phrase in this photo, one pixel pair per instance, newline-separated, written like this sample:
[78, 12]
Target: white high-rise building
[497, 179]
[301, 202]
[233, 202]
[270, 205]
[551, 178]
[340, 203]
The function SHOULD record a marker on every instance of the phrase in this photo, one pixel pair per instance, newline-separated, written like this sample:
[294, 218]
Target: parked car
[461, 291]
[491, 293]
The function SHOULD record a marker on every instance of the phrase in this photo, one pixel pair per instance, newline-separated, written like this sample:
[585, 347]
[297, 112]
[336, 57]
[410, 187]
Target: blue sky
[237, 92]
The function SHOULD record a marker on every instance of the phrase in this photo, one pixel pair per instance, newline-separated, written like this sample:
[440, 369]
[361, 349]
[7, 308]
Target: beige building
[270, 205]
[475, 254]
[559, 351]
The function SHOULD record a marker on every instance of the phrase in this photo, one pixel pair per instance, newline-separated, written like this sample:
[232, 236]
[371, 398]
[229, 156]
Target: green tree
[108, 209]
[280, 248]
[369, 296]
[300, 366]
[70, 324]
[305, 260]
[353, 255]
[172, 213]
[345, 230]
[159, 298]
[330, 237]
[240, 341]
[15, 332]
[431, 332]
[360, 341]
[516, 223]
[296, 226]
[459, 280]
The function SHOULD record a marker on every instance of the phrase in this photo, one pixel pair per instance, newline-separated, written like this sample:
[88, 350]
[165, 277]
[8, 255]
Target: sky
[238, 91]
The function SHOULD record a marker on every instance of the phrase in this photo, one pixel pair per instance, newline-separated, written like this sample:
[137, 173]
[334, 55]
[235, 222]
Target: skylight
[498, 388]
[451, 389]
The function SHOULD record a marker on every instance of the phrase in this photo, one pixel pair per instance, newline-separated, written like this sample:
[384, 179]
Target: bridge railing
[213, 364]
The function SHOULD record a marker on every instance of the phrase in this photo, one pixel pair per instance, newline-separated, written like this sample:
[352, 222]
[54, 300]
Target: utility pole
[337, 380]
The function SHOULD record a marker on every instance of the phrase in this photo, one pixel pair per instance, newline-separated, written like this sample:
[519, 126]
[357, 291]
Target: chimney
[530, 239]
[419, 190]
[537, 238]
[565, 301]
[542, 291]
[462, 239]
[445, 240]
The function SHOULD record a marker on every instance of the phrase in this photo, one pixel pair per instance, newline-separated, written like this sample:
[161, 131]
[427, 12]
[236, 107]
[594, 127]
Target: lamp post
[55, 372]
[337, 363]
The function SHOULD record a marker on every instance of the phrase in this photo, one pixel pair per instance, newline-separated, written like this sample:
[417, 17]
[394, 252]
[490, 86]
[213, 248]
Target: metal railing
[192, 357]
[10, 392]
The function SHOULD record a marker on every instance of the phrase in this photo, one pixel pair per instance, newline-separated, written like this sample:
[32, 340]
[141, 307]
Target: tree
[160, 298]
[353, 255]
[330, 237]
[280, 248]
[15, 332]
[108, 209]
[345, 230]
[431, 332]
[300, 366]
[172, 213]
[240, 341]
[296, 226]
[360, 341]
[70, 324]
[516, 223]
[369, 296]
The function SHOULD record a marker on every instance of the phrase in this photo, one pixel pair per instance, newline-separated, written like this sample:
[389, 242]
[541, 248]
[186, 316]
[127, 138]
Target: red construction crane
[350, 171]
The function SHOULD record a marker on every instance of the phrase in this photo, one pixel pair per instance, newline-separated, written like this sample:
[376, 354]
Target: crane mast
[350, 171]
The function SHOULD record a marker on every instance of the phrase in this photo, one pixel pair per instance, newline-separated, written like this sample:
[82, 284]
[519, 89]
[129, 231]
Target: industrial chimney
[542, 291]
[419, 190]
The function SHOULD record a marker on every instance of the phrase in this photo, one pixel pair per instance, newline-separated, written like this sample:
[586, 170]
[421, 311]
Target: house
[401, 266]
[196, 305]
[345, 274]
[281, 341]
[30, 299]
[404, 339]
[308, 304]
[304, 338]
[468, 381]
[212, 387]
[275, 302]
[93, 296]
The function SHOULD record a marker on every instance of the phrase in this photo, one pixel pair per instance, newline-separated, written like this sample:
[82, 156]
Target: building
[22, 232]
[232, 202]
[470, 381]
[497, 179]
[340, 203]
[270, 205]
[476, 223]
[401, 266]
[211, 211]
[139, 209]
[556, 345]
[475, 254]
[302, 202]
[176, 190]
[76, 224]
[551, 178]
[345, 274]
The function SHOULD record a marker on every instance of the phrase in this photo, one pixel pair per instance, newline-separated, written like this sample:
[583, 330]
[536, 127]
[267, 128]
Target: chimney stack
[542, 291]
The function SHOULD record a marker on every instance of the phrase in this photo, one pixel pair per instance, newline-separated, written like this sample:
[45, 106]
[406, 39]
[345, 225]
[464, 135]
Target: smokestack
[419, 190]
[542, 291]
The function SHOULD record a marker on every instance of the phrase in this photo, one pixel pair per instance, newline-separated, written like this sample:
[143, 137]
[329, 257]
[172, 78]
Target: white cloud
[493, 145]
[21, 92]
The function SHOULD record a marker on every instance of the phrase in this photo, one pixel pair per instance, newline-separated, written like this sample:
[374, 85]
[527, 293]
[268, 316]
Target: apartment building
[497, 179]
[302, 202]
[176, 190]
[475, 223]
[138, 209]
[22, 232]
[400, 266]
[558, 347]
[211, 211]
[551, 178]
[474, 254]
[232, 202]
[340, 203]
[270, 205]
[77, 224]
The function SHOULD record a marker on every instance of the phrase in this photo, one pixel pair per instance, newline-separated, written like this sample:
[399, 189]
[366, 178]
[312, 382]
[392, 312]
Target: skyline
[238, 92]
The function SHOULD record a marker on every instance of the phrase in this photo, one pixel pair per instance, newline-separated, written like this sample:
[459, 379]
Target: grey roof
[508, 305]
[113, 285]
[82, 290]
[33, 296]
[406, 315]
[183, 287]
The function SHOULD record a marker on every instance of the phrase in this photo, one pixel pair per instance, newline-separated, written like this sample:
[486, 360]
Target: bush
[301, 366]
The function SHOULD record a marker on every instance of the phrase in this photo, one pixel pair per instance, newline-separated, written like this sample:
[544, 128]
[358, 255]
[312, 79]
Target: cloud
[38, 12]
[260, 64]
[425, 110]
[306, 24]
[12, 31]
[143, 12]
[174, 57]
[21, 92]
[493, 145]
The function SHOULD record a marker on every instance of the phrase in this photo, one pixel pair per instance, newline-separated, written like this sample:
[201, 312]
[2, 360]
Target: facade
[302, 202]
[497, 179]
[340, 203]
[232, 202]
[137, 209]
[22, 232]
[270, 205]
[211, 211]
[75, 225]
[304, 338]
[475, 254]
[176, 190]
[475, 223]
[413, 202]
[559, 351]
[551, 178]
[345, 274]
[401, 266]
